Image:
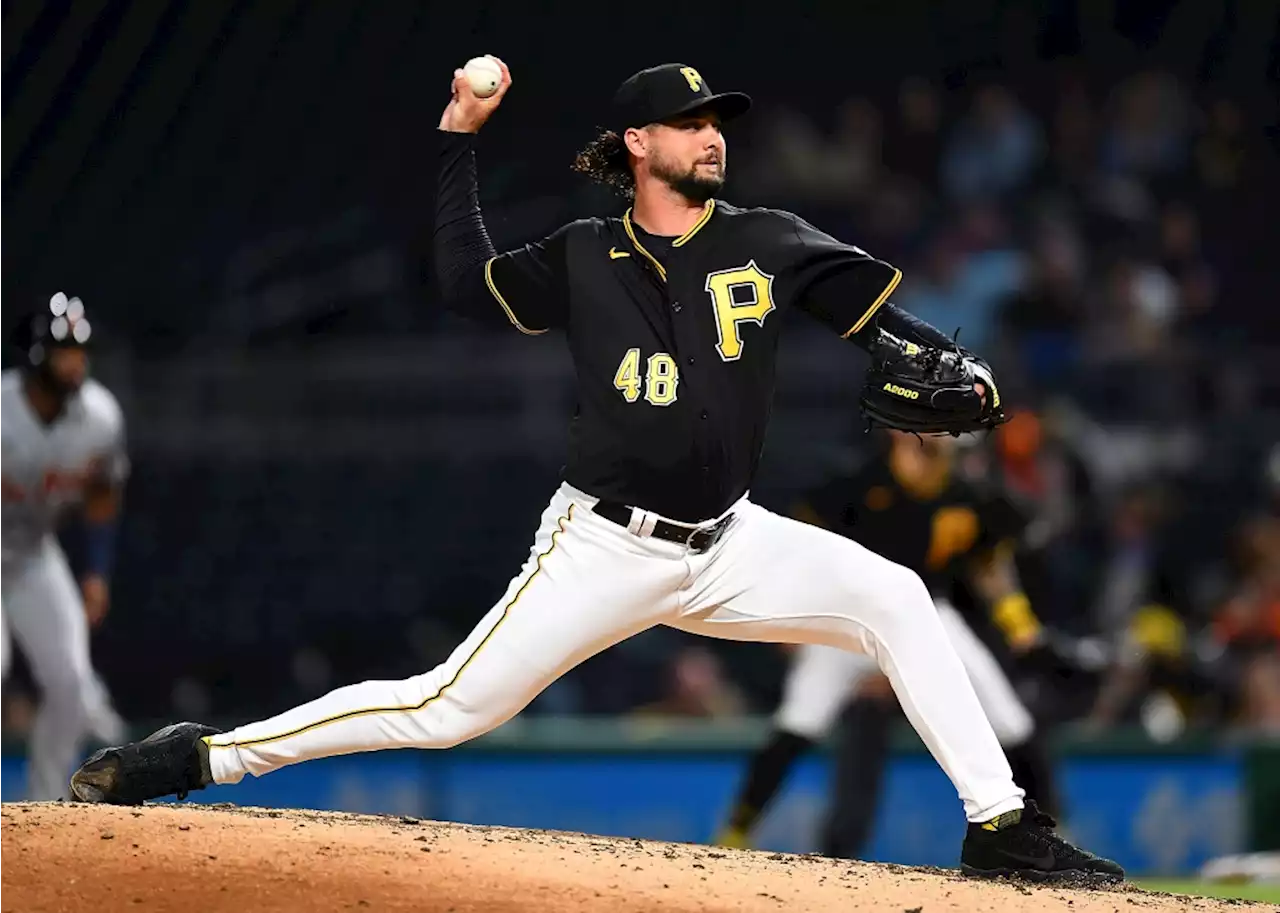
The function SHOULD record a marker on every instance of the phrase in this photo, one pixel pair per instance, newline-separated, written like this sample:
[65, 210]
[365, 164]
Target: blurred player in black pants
[910, 504]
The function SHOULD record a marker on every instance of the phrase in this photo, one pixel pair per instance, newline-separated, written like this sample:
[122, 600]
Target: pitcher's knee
[450, 738]
[866, 614]
[447, 721]
[901, 599]
[453, 726]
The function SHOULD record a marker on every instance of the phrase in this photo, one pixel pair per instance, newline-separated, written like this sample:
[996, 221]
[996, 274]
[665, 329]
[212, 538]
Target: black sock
[769, 767]
[1033, 771]
[857, 770]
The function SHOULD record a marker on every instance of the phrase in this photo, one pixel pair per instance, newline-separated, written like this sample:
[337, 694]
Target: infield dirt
[207, 859]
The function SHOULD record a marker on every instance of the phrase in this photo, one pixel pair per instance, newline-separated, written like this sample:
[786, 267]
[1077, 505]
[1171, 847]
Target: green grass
[1264, 892]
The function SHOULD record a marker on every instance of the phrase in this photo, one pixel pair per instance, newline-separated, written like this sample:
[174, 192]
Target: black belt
[698, 539]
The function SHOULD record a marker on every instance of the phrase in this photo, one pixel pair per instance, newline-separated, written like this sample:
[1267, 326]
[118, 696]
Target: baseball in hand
[483, 75]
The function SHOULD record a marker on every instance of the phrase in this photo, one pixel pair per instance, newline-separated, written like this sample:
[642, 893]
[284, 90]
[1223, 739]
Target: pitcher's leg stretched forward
[589, 583]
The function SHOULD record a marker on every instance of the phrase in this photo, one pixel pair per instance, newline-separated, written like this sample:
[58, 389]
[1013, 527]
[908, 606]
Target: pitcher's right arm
[521, 286]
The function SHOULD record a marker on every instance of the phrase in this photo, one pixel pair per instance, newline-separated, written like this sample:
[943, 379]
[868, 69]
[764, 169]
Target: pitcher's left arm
[919, 380]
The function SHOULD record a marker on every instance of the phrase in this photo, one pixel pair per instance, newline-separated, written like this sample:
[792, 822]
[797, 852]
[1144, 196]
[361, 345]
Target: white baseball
[483, 75]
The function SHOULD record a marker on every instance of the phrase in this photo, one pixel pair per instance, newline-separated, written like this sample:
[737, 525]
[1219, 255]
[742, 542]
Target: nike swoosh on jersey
[615, 254]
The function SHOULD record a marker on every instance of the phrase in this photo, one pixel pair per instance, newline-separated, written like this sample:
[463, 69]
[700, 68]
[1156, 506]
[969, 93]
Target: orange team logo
[955, 530]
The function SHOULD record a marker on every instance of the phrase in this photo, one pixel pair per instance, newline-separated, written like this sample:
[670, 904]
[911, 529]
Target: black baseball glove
[924, 390]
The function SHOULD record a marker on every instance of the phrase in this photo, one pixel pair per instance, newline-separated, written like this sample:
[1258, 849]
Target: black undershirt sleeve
[461, 246]
[893, 319]
[523, 286]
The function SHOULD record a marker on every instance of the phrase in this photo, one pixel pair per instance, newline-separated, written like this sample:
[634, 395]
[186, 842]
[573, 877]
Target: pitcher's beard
[691, 184]
[697, 188]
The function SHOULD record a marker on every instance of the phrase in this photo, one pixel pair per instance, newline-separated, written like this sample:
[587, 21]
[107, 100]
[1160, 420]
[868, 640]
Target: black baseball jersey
[932, 535]
[674, 341]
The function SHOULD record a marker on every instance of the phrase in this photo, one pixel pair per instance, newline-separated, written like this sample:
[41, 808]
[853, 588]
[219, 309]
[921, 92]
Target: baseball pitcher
[672, 312]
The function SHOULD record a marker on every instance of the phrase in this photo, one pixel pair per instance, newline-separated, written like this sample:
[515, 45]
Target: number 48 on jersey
[661, 378]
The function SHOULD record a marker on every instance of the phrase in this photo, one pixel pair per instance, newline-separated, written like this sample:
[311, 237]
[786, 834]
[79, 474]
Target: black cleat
[1023, 844]
[166, 763]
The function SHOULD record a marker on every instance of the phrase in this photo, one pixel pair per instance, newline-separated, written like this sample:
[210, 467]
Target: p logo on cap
[666, 91]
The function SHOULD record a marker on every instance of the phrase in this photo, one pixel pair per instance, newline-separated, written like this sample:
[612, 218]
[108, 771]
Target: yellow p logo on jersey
[693, 78]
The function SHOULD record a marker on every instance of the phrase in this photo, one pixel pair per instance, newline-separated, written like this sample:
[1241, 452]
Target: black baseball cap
[669, 90]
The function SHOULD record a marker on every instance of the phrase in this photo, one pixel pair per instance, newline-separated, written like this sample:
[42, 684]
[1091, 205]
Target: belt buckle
[694, 533]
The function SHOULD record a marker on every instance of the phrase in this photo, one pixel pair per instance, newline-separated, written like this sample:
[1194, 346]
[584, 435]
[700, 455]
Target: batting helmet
[61, 324]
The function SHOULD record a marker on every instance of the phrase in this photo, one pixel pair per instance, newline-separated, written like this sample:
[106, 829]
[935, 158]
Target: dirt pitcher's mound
[201, 859]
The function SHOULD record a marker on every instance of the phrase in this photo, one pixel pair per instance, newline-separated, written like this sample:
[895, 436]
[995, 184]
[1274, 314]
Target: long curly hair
[604, 159]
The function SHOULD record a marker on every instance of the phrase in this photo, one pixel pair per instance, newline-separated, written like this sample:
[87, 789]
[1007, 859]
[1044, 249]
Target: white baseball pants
[822, 679]
[589, 583]
[44, 611]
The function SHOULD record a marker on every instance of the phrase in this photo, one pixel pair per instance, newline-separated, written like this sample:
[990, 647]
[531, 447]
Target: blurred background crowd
[332, 478]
